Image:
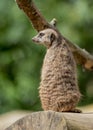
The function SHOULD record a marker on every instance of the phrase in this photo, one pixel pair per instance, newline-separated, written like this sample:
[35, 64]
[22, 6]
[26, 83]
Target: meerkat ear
[52, 38]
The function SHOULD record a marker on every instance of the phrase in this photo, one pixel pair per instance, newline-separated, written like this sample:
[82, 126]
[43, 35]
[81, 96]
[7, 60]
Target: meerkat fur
[58, 87]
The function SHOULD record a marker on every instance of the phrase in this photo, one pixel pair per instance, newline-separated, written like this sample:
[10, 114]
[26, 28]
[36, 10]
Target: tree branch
[81, 56]
[33, 13]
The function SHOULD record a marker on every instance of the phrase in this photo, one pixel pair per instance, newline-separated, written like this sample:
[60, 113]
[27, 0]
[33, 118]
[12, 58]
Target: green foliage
[21, 59]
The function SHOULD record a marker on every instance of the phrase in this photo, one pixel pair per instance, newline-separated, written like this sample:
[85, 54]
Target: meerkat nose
[34, 39]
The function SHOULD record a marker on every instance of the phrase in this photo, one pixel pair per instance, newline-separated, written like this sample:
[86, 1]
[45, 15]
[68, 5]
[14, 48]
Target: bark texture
[50, 120]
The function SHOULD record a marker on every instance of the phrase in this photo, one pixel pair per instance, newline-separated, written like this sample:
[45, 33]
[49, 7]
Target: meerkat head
[47, 37]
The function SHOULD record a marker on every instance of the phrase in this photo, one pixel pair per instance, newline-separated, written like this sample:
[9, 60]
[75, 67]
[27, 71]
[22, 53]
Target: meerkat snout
[34, 39]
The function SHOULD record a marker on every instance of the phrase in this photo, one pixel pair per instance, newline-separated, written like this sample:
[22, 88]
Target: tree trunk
[50, 120]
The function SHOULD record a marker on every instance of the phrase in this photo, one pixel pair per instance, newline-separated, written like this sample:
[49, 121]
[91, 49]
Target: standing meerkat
[58, 88]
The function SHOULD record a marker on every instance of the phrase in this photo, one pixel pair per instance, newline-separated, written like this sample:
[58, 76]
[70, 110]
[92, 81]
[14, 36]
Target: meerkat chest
[57, 62]
[54, 61]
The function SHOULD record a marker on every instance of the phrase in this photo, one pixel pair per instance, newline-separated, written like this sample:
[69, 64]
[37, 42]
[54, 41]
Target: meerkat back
[58, 88]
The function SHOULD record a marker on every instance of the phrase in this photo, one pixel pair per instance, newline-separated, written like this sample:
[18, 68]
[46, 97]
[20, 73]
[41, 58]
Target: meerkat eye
[41, 34]
[52, 37]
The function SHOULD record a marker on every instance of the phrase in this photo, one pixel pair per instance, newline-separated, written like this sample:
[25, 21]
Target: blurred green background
[21, 59]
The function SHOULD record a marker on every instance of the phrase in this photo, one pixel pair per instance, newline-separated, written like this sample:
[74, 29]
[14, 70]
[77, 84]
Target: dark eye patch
[41, 34]
[52, 38]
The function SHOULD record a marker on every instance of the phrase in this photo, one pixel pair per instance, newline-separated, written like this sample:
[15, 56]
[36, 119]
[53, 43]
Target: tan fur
[58, 88]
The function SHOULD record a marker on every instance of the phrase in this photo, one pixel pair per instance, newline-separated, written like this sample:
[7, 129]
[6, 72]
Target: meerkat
[58, 89]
